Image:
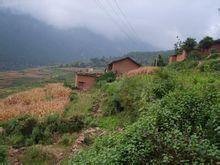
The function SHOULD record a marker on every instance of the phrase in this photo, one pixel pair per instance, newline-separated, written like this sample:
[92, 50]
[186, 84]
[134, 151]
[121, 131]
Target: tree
[160, 60]
[178, 46]
[189, 45]
[206, 43]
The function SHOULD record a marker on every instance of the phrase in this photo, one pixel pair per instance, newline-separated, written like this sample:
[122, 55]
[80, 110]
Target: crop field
[35, 102]
[16, 81]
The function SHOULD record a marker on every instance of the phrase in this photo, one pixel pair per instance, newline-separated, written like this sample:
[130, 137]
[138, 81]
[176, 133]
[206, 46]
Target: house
[178, 57]
[216, 46]
[85, 81]
[122, 66]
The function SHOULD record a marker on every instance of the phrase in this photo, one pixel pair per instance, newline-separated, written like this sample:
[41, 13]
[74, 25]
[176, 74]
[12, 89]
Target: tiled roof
[124, 59]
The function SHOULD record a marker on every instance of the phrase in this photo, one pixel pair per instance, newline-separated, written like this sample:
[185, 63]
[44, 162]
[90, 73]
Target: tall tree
[178, 46]
[189, 45]
[206, 43]
[160, 60]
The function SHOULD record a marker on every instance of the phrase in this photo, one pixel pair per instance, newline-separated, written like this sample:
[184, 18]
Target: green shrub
[25, 131]
[73, 96]
[22, 125]
[107, 77]
[16, 140]
[179, 128]
[162, 84]
[183, 65]
[35, 154]
[3, 154]
[213, 56]
[210, 65]
[67, 139]
[69, 85]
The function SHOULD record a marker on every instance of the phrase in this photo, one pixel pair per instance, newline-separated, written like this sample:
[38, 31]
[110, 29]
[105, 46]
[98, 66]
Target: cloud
[154, 21]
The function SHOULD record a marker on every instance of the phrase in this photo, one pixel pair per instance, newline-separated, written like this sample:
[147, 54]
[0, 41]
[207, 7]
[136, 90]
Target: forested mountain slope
[25, 42]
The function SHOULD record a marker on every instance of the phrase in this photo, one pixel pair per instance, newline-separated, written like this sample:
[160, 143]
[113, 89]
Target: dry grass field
[36, 102]
[143, 71]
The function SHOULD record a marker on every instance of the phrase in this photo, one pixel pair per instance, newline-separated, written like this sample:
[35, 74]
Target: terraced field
[16, 81]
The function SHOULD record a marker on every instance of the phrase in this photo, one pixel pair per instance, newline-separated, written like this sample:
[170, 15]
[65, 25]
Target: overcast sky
[155, 21]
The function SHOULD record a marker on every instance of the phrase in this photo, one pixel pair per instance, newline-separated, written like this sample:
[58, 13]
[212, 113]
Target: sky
[154, 21]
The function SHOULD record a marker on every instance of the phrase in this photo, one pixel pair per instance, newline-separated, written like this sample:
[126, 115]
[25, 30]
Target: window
[81, 84]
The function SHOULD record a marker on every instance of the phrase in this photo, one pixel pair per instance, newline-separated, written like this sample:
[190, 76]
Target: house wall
[88, 82]
[172, 59]
[178, 58]
[216, 46]
[124, 66]
[181, 57]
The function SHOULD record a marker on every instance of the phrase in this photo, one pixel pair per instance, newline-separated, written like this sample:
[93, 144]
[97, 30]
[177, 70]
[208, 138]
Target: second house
[122, 66]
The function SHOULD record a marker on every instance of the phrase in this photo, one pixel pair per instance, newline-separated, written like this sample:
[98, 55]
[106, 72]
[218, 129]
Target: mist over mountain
[26, 42]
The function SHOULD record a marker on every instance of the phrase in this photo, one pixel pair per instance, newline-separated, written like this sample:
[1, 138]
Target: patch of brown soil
[89, 133]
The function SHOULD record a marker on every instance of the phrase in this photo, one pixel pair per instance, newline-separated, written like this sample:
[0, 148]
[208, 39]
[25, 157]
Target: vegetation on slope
[176, 119]
[170, 117]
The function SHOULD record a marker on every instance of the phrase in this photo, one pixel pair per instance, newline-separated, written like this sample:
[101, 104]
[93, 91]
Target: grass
[137, 102]
[82, 104]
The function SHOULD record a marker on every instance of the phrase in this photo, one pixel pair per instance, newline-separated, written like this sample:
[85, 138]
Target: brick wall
[178, 57]
[181, 57]
[85, 82]
[124, 66]
[172, 59]
[216, 46]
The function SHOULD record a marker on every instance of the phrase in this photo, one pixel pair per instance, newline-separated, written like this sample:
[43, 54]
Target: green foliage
[159, 61]
[3, 154]
[67, 139]
[178, 46]
[26, 130]
[107, 77]
[162, 84]
[22, 125]
[171, 130]
[206, 43]
[189, 45]
[73, 96]
[213, 56]
[35, 155]
[184, 65]
[210, 65]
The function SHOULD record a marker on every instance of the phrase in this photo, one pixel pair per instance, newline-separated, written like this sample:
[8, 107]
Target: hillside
[168, 117]
[27, 42]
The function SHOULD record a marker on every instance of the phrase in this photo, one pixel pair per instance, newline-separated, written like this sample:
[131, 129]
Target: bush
[210, 65]
[3, 154]
[25, 131]
[22, 125]
[73, 96]
[37, 155]
[162, 84]
[213, 56]
[179, 128]
[67, 139]
[184, 65]
[107, 77]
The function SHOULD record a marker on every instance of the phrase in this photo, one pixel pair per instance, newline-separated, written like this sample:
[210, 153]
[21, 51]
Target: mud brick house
[85, 81]
[122, 66]
[216, 45]
[178, 57]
